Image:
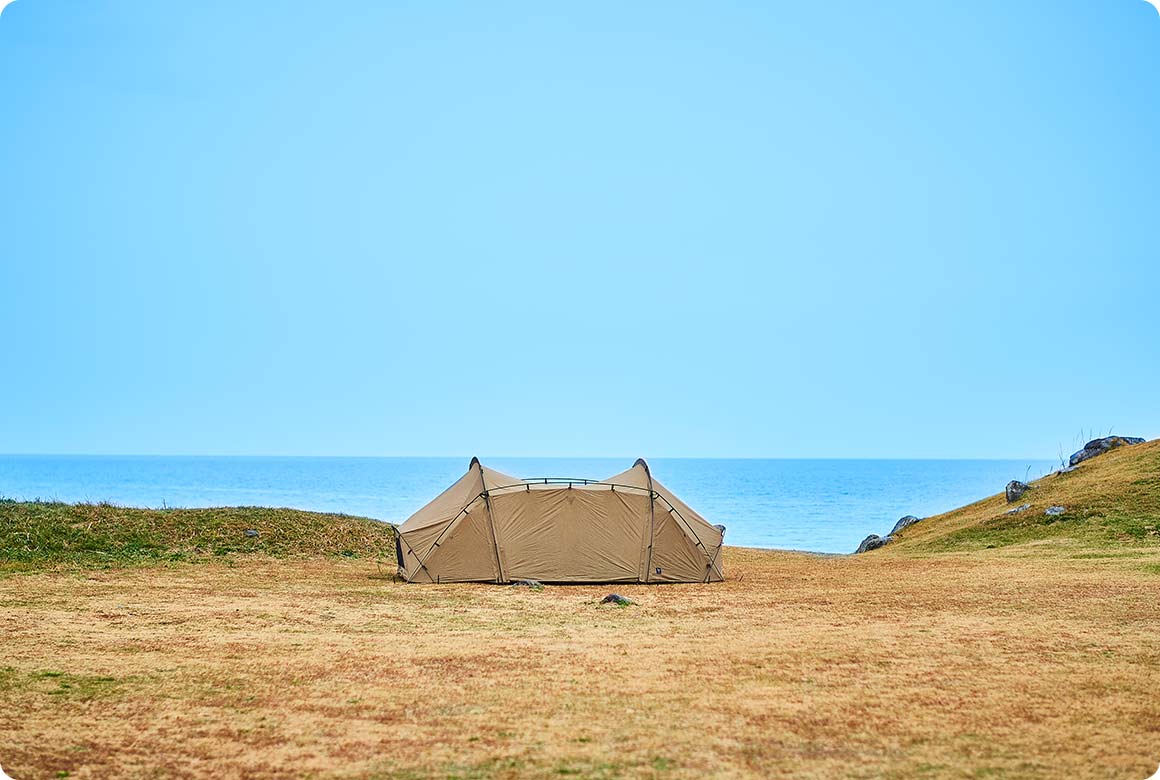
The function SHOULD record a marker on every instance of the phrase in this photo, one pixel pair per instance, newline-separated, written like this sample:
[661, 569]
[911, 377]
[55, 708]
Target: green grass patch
[35, 534]
[58, 684]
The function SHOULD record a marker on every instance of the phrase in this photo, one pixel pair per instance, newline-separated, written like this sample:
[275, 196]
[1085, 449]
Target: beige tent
[489, 527]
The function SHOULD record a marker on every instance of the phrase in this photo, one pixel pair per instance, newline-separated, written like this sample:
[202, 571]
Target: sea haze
[820, 505]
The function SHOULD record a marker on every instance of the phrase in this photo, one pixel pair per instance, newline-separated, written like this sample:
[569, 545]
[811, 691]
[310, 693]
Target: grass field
[978, 645]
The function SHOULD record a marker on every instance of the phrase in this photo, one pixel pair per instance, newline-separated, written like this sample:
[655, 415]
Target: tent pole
[500, 579]
[439, 538]
[652, 519]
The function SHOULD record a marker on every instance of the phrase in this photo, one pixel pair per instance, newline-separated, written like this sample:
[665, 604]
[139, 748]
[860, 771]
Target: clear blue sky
[850, 229]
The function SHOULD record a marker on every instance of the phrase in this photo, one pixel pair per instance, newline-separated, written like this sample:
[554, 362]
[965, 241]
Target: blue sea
[818, 505]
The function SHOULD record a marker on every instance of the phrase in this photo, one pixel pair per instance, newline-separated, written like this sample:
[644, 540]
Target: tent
[490, 527]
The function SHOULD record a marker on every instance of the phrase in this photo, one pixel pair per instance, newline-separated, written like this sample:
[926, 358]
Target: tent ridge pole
[491, 524]
[652, 519]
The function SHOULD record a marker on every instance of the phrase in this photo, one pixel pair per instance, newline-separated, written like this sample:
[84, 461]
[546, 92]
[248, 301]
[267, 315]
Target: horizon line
[503, 457]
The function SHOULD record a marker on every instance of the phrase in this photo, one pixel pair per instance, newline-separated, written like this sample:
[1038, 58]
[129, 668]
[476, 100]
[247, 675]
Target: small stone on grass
[617, 599]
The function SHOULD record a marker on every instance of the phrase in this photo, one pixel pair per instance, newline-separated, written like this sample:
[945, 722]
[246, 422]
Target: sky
[904, 229]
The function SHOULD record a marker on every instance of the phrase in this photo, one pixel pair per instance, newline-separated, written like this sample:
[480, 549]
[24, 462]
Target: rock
[252, 533]
[615, 598]
[1015, 490]
[1018, 509]
[904, 522]
[872, 542]
[1100, 446]
[1052, 511]
[533, 584]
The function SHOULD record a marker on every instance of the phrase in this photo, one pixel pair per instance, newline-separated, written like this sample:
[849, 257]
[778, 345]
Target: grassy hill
[45, 533]
[1112, 500]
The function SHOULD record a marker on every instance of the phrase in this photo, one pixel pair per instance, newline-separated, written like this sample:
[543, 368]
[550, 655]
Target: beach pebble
[904, 522]
[1054, 510]
[615, 598]
[1015, 490]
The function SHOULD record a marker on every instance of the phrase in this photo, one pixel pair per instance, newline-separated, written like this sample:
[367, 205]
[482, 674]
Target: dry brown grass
[1004, 663]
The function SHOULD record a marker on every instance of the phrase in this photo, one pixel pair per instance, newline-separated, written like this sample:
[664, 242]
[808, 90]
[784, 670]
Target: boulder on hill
[872, 542]
[1100, 446]
[1015, 490]
[904, 522]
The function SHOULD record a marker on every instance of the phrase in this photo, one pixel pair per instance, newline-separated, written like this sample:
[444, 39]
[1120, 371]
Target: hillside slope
[1111, 500]
[46, 533]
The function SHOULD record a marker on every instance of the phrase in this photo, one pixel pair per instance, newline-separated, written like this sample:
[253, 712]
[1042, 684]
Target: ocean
[817, 505]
